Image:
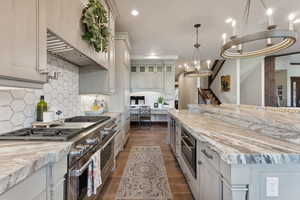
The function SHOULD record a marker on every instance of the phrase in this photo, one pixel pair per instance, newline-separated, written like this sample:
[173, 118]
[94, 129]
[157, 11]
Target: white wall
[251, 81]
[188, 91]
[229, 68]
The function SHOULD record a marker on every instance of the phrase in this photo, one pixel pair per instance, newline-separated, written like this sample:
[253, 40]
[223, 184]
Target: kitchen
[108, 99]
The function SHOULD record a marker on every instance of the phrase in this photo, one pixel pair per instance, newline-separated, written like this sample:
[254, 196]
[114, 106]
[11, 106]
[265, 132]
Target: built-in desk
[157, 114]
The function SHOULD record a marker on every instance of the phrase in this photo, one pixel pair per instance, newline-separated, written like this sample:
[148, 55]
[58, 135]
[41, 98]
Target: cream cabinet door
[112, 56]
[169, 80]
[23, 40]
[210, 182]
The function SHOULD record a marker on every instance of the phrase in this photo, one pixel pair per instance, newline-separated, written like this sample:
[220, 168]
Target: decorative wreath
[95, 21]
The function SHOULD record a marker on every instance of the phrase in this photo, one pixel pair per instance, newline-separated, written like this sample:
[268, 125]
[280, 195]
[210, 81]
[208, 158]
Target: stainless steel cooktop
[72, 127]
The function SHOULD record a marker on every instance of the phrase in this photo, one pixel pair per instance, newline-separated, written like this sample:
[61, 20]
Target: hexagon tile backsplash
[18, 107]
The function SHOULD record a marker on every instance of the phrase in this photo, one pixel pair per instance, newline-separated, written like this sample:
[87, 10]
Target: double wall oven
[189, 150]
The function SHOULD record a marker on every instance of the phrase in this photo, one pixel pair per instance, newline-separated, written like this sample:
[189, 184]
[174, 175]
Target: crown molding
[113, 7]
[162, 57]
[123, 36]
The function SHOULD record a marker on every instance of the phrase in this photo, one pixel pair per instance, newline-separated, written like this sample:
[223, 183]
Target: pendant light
[194, 69]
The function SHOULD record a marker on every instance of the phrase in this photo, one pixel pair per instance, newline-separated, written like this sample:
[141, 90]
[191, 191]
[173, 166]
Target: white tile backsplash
[18, 107]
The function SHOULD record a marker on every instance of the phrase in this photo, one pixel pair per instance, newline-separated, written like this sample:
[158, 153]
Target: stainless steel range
[97, 138]
[89, 135]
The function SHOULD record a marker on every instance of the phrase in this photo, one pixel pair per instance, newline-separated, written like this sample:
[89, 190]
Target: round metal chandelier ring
[289, 38]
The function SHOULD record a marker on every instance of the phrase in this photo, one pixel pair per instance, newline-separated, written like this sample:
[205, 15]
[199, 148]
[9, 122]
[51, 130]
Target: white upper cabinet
[23, 43]
[64, 19]
[156, 77]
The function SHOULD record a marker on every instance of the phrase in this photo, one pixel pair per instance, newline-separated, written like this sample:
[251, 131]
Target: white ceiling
[165, 27]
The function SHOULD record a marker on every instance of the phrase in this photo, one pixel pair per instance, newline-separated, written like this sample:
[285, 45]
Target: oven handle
[187, 146]
[116, 133]
[189, 139]
[110, 128]
[78, 172]
[206, 154]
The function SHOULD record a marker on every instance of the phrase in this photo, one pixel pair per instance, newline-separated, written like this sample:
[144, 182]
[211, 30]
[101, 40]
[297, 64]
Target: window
[169, 68]
[151, 68]
[159, 68]
[133, 68]
[142, 68]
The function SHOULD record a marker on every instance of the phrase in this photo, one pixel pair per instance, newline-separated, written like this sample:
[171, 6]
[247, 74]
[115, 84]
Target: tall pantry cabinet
[120, 100]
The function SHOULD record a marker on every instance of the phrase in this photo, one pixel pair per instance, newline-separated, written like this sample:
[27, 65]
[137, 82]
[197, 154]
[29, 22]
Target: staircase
[207, 96]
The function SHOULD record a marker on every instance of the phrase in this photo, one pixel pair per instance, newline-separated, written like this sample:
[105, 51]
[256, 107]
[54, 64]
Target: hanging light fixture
[284, 37]
[194, 69]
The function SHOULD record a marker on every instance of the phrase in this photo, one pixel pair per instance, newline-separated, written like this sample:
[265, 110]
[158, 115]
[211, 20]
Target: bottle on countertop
[41, 107]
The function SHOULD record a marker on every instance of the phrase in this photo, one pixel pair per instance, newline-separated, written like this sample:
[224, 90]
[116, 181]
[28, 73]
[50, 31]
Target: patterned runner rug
[144, 176]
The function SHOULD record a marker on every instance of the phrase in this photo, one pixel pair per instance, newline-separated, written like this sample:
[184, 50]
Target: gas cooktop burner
[41, 134]
[68, 130]
[93, 119]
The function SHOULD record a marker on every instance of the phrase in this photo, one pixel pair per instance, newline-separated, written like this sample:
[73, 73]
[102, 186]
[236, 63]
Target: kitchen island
[240, 152]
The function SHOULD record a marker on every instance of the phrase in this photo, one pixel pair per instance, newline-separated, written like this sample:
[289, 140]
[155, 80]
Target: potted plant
[160, 102]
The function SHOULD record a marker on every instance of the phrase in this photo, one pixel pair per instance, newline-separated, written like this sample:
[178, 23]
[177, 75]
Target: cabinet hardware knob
[200, 162]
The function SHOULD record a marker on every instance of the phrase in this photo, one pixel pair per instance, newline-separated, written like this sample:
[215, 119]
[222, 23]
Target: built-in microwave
[189, 151]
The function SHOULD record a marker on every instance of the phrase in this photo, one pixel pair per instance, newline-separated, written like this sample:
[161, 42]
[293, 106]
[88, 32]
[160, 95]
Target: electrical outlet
[272, 186]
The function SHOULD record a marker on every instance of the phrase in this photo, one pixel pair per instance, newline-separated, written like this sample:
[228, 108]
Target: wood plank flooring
[155, 136]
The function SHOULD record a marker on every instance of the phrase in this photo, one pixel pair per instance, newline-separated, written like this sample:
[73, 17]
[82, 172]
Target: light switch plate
[272, 186]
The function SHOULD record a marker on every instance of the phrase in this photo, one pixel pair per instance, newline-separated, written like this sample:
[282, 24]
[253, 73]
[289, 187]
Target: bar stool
[145, 117]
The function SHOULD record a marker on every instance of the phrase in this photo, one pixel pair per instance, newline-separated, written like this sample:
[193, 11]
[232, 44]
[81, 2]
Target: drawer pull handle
[206, 154]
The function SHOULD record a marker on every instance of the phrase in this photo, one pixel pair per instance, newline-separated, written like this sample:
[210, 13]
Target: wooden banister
[217, 66]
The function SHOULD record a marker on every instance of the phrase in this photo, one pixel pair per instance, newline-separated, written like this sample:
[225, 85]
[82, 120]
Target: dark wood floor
[154, 136]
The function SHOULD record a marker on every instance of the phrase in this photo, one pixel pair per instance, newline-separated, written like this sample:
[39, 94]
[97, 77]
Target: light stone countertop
[239, 145]
[20, 159]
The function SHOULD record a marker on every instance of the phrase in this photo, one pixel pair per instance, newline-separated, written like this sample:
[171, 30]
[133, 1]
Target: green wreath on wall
[96, 29]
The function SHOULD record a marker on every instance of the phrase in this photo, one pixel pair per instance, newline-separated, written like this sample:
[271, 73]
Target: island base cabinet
[210, 182]
[48, 183]
[190, 179]
[59, 190]
[281, 184]
[32, 188]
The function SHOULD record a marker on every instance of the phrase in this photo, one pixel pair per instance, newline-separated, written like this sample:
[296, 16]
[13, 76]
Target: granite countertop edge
[240, 158]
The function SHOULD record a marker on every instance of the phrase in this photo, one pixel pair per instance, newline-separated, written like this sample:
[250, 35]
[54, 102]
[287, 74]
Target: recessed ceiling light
[224, 36]
[229, 20]
[135, 13]
[292, 17]
[269, 12]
